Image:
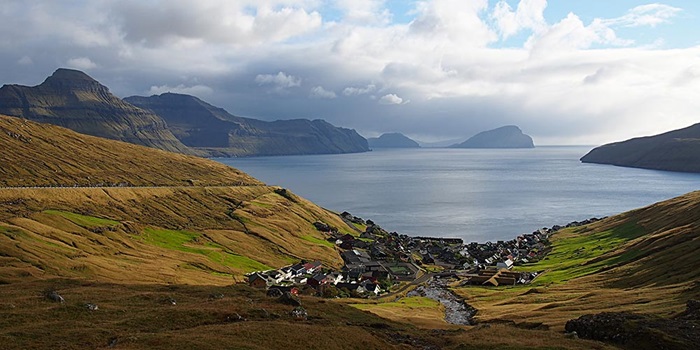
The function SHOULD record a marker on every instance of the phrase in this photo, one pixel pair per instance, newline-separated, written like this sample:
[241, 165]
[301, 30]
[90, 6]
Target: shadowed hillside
[35, 154]
[213, 130]
[677, 150]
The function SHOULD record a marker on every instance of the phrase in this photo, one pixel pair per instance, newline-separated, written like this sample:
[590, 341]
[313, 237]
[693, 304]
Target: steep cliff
[72, 99]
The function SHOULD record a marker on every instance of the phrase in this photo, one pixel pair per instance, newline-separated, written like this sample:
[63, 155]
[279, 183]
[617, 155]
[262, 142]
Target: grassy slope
[221, 224]
[34, 154]
[641, 261]
[174, 235]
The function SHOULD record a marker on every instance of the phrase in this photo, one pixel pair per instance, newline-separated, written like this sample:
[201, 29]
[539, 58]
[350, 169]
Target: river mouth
[457, 311]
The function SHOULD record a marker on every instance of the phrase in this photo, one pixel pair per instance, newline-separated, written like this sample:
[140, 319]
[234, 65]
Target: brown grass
[142, 316]
[657, 272]
[35, 154]
[228, 228]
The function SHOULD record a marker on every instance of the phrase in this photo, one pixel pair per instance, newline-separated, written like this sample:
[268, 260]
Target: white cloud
[646, 15]
[529, 15]
[280, 80]
[457, 21]
[364, 11]
[354, 91]
[391, 99]
[25, 60]
[320, 92]
[572, 34]
[195, 90]
[82, 63]
[230, 22]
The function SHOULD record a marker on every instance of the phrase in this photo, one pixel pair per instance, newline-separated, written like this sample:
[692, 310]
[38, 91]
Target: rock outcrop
[74, 100]
[509, 136]
[677, 150]
[392, 140]
[218, 133]
[638, 331]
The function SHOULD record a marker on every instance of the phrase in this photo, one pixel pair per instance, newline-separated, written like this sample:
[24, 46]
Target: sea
[478, 195]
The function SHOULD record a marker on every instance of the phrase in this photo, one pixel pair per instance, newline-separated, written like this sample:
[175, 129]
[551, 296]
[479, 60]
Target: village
[377, 260]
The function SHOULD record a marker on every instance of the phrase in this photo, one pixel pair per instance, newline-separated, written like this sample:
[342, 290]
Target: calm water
[477, 195]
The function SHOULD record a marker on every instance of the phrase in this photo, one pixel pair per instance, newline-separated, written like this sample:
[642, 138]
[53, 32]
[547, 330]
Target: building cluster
[375, 259]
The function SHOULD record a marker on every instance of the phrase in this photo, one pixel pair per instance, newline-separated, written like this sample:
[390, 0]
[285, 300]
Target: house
[507, 264]
[334, 277]
[370, 287]
[312, 266]
[317, 280]
[257, 280]
[349, 286]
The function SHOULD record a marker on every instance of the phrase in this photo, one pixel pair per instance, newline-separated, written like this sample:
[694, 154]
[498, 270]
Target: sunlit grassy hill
[191, 220]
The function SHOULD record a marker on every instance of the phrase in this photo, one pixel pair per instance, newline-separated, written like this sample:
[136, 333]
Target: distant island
[509, 136]
[171, 122]
[392, 140]
[677, 150]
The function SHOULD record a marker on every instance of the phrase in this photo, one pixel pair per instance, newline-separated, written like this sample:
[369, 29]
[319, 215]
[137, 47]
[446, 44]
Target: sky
[565, 71]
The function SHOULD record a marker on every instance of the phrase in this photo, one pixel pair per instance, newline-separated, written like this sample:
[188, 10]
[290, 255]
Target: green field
[582, 254]
[186, 241]
[83, 220]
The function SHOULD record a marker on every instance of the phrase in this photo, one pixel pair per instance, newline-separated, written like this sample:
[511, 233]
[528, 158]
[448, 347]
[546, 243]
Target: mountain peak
[71, 78]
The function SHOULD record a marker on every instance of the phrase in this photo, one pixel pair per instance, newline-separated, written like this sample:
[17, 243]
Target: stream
[457, 311]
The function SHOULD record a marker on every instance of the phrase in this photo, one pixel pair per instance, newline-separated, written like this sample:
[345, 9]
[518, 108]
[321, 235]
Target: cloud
[242, 23]
[573, 78]
[646, 15]
[572, 34]
[354, 91]
[529, 15]
[451, 19]
[82, 63]
[364, 11]
[391, 99]
[280, 81]
[195, 90]
[320, 92]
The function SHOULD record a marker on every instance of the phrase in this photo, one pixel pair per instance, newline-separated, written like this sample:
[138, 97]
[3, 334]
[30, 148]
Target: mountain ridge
[72, 99]
[212, 129]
